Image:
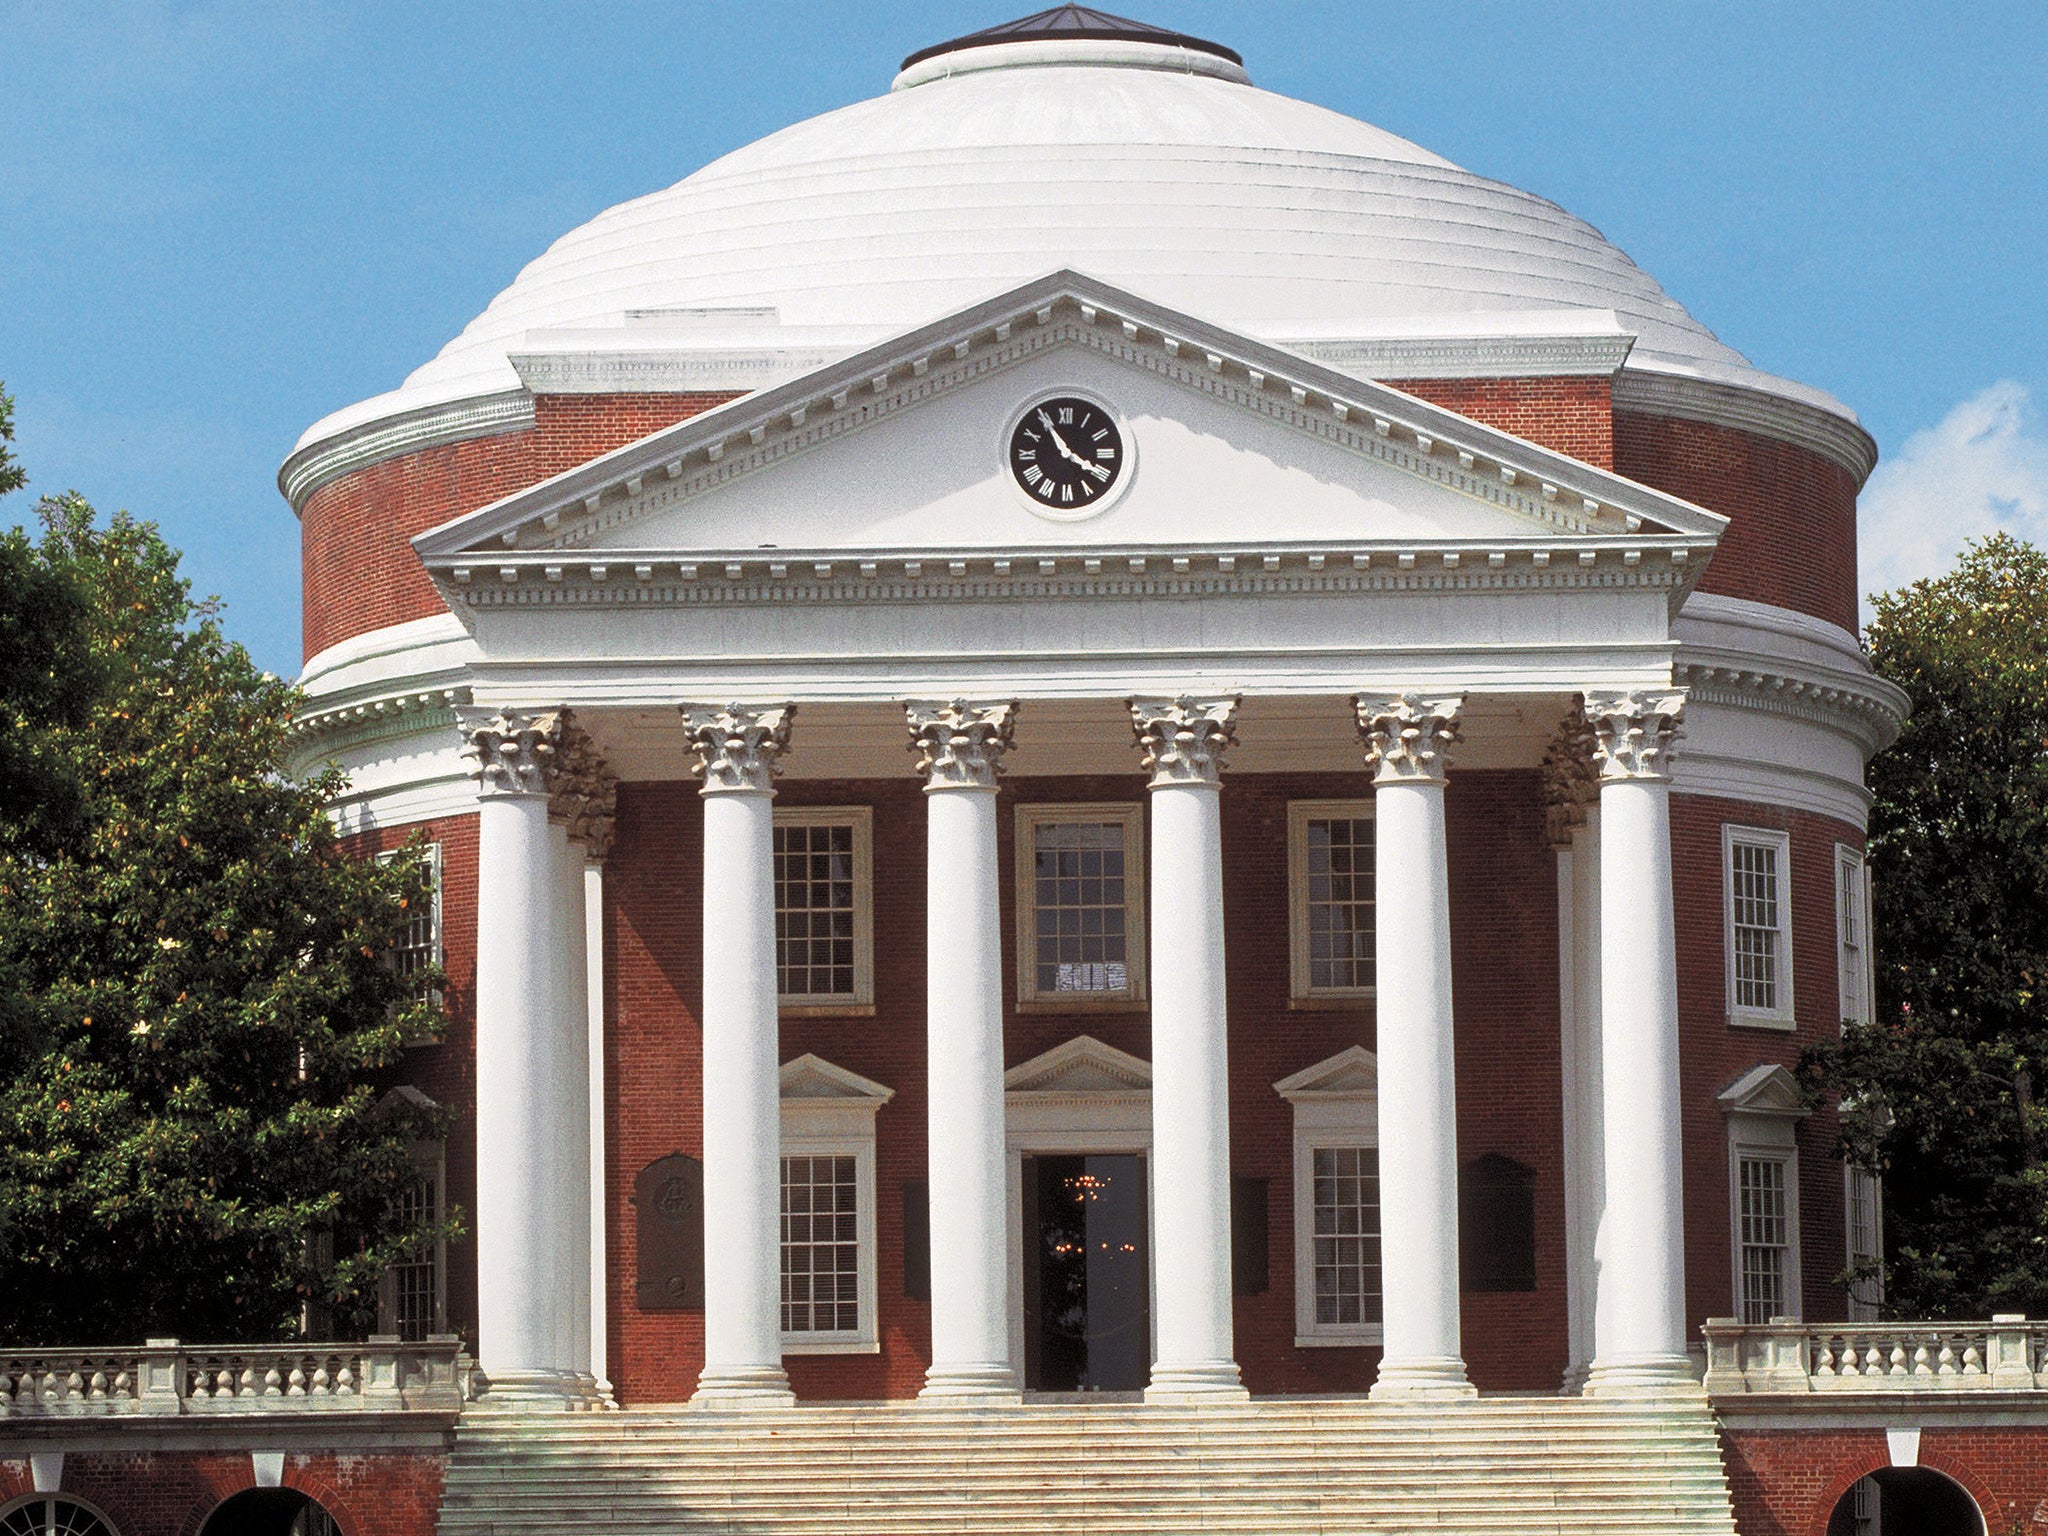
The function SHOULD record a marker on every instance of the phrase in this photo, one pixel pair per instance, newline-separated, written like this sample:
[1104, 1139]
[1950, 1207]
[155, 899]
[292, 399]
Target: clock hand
[1061, 443]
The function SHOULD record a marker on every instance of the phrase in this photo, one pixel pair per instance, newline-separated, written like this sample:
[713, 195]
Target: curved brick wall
[357, 566]
[1792, 542]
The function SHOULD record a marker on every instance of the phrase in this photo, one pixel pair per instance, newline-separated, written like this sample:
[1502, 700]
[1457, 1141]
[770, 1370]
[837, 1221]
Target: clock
[1066, 454]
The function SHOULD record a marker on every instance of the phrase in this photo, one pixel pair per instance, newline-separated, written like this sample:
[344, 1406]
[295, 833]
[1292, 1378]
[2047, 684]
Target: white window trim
[828, 1111]
[1863, 1310]
[1336, 1104]
[1029, 819]
[1299, 814]
[1782, 1016]
[861, 1000]
[429, 1158]
[440, 953]
[1763, 1108]
[1856, 978]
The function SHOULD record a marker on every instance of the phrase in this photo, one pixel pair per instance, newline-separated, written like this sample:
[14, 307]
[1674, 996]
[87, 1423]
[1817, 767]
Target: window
[412, 1301]
[1080, 911]
[418, 952]
[1337, 1295]
[1863, 1201]
[1852, 936]
[824, 909]
[50, 1515]
[1764, 1108]
[828, 1209]
[1330, 893]
[1758, 880]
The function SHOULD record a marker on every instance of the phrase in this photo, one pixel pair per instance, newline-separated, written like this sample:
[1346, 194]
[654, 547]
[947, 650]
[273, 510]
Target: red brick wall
[446, 1072]
[1713, 1053]
[1505, 949]
[170, 1493]
[1786, 1482]
[1574, 416]
[357, 565]
[1792, 538]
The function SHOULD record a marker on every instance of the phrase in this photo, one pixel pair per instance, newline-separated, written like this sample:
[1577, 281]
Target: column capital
[960, 744]
[1570, 779]
[738, 745]
[1633, 733]
[510, 753]
[584, 793]
[1408, 736]
[1182, 740]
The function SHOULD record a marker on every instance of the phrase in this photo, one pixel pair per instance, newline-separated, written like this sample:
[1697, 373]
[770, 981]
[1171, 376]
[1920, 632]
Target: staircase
[1285, 1466]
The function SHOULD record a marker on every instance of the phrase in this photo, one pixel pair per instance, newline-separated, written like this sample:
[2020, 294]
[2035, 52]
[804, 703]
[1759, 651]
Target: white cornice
[1472, 357]
[678, 370]
[430, 426]
[1867, 706]
[1556, 492]
[1834, 437]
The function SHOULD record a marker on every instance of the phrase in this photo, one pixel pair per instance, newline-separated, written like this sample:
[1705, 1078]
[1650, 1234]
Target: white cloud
[1983, 468]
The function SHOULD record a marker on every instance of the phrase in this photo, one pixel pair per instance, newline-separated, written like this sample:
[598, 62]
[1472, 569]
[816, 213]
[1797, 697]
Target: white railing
[2003, 1355]
[380, 1375]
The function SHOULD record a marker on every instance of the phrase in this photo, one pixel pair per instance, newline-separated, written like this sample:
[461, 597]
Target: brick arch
[1880, 1460]
[303, 1479]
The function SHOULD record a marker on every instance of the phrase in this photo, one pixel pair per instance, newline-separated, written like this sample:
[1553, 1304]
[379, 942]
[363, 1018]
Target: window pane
[1753, 898]
[1347, 1245]
[820, 1246]
[1340, 902]
[1764, 1228]
[414, 1281]
[814, 896]
[1079, 895]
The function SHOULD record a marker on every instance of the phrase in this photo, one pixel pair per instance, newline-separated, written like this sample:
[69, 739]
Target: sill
[1082, 1002]
[1771, 1021]
[846, 1010]
[798, 1344]
[1365, 1338]
[1333, 1002]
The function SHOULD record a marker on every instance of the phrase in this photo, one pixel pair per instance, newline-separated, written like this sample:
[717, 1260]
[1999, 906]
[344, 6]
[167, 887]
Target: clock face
[1066, 454]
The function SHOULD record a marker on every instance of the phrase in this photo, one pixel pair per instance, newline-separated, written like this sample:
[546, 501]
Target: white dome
[1160, 172]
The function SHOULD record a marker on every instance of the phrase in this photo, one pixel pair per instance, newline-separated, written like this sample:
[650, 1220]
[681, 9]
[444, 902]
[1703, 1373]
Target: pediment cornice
[1554, 495]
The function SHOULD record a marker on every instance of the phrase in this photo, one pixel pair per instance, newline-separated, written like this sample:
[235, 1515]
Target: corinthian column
[531, 1060]
[1639, 1311]
[737, 747]
[1406, 741]
[1183, 741]
[960, 747]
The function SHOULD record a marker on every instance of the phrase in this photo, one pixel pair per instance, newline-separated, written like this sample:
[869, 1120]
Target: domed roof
[1143, 158]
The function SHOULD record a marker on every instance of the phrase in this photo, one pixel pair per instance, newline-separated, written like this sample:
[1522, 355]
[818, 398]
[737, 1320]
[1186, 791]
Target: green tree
[191, 1136]
[1940, 1092]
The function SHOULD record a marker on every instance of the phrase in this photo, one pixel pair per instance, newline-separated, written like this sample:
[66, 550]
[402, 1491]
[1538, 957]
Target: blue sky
[220, 221]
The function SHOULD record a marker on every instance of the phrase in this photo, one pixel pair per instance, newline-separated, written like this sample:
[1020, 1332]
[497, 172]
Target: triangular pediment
[1083, 1065]
[899, 453]
[1352, 1073]
[813, 1077]
[1765, 1089]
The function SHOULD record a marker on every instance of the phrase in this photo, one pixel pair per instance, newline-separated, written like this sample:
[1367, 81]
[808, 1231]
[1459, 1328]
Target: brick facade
[368, 1491]
[1786, 1482]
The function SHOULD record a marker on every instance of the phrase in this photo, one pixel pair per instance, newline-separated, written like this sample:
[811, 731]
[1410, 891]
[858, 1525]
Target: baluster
[1922, 1361]
[1945, 1362]
[74, 1384]
[272, 1381]
[298, 1382]
[245, 1384]
[96, 1385]
[1896, 1365]
[345, 1381]
[1824, 1362]
[124, 1384]
[320, 1378]
[1973, 1361]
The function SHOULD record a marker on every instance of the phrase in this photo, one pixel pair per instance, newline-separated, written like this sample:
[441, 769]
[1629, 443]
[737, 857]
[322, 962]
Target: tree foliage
[1940, 1092]
[195, 995]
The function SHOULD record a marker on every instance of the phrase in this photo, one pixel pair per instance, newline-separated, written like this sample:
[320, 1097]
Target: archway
[1906, 1501]
[270, 1512]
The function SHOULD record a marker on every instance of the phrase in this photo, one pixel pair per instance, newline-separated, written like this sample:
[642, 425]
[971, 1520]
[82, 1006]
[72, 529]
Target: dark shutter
[1497, 1225]
[1249, 1274]
[917, 1240]
[669, 1197]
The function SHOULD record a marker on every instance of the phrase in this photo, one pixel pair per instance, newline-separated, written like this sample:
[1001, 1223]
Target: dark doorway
[1906, 1501]
[269, 1512]
[1087, 1275]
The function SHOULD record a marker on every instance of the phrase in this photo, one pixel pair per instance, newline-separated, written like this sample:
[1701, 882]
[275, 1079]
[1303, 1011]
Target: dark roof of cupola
[1068, 22]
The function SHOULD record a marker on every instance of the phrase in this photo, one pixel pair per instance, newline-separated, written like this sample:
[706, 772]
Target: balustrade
[2004, 1354]
[382, 1375]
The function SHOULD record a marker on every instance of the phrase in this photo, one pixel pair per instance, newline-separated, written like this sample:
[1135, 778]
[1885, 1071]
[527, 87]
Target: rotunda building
[1089, 730]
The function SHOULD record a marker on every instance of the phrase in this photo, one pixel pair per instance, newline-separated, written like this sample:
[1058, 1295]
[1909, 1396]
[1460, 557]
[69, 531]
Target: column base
[540, 1392]
[1441, 1379]
[1573, 1382]
[723, 1387]
[970, 1385]
[1198, 1383]
[1644, 1376]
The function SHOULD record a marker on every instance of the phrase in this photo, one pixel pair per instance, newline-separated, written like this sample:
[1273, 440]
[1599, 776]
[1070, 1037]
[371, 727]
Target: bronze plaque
[669, 1195]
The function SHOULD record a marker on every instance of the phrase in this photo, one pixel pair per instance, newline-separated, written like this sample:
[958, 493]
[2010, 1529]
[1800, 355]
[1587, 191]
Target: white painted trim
[833, 1115]
[1834, 434]
[1336, 1105]
[315, 464]
[1031, 816]
[1763, 1109]
[1299, 814]
[861, 819]
[1854, 974]
[1782, 1015]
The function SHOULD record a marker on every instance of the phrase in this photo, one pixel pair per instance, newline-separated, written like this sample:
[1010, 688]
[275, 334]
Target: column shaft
[1586, 1156]
[593, 943]
[570, 1133]
[1183, 741]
